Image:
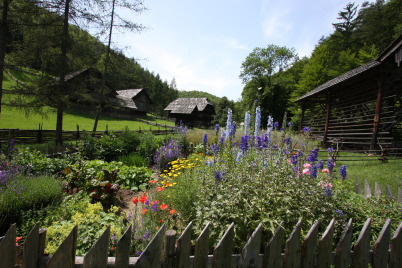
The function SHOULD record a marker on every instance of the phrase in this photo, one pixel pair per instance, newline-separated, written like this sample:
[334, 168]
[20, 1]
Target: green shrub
[92, 222]
[23, 193]
[132, 159]
[129, 141]
[149, 143]
[35, 162]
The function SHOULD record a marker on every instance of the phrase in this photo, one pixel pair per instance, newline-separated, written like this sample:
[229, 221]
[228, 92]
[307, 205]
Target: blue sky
[203, 43]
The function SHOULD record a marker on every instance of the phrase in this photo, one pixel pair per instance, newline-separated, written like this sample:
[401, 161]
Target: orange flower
[172, 211]
[160, 189]
[167, 184]
[152, 181]
[160, 220]
[143, 199]
[135, 200]
[156, 227]
[144, 211]
[163, 206]
[16, 240]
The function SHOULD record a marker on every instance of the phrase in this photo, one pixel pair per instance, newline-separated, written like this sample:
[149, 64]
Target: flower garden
[251, 176]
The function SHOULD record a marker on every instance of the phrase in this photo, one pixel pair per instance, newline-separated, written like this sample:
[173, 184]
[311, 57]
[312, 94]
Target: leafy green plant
[25, 192]
[132, 159]
[92, 222]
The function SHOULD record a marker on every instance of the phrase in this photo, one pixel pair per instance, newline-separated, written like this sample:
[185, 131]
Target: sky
[202, 44]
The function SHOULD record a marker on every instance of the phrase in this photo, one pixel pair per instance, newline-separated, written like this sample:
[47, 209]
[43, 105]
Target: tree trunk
[62, 85]
[3, 42]
[100, 107]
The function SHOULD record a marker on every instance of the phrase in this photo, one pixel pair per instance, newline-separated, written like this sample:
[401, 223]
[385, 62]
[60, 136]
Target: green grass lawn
[13, 118]
[375, 170]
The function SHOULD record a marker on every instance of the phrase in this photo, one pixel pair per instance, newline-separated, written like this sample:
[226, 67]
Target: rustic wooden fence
[367, 191]
[165, 250]
[22, 136]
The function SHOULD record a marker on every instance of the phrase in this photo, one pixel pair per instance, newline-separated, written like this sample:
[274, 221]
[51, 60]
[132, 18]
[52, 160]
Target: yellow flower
[175, 175]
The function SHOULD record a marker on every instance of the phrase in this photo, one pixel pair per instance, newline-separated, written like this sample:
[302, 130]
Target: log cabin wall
[360, 109]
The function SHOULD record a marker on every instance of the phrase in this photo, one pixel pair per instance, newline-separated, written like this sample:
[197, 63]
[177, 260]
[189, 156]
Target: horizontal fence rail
[22, 136]
[166, 250]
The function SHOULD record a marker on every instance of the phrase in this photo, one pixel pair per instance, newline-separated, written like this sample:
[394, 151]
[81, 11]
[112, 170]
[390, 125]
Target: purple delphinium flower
[114, 236]
[139, 253]
[313, 171]
[234, 127]
[147, 235]
[276, 125]
[204, 139]
[320, 164]
[246, 123]
[219, 176]
[330, 164]
[216, 129]
[339, 212]
[287, 141]
[244, 143]
[313, 156]
[342, 172]
[328, 191]
[306, 129]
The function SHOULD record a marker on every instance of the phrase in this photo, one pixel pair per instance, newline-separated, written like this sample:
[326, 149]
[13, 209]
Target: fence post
[7, 247]
[39, 136]
[65, 254]
[78, 132]
[123, 249]
[184, 247]
[324, 258]
[342, 256]
[30, 256]
[97, 255]
[201, 249]
[395, 259]
[292, 248]
[361, 253]
[223, 251]
[309, 246]
[273, 250]
[250, 253]
[168, 249]
[381, 246]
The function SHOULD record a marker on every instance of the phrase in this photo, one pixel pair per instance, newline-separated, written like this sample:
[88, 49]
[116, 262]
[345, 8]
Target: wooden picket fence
[367, 192]
[165, 251]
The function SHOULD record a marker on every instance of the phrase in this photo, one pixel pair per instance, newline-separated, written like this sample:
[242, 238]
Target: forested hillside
[34, 42]
[199, 94]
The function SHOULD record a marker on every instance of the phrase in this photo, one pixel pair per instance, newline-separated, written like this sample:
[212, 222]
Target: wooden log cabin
[193, 112]
[360, 109]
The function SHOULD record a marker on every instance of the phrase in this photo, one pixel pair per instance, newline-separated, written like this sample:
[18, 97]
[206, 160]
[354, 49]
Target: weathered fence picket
[367, 192]
[361, 256]
[169, 253]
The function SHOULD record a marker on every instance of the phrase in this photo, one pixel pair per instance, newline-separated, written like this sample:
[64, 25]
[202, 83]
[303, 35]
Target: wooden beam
[302, 117]
[324, 139]
[377, 116]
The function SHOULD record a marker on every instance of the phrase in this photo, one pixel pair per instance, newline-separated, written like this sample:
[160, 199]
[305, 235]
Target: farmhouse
[361, 108]
[131, 102]
[192, 111]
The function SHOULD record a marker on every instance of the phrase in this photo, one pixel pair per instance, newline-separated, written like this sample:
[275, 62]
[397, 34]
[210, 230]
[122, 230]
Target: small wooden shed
[362, 108]
[134, 101]
[192, 111]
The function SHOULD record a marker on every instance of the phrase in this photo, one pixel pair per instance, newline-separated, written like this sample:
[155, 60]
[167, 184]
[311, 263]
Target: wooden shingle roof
[341, 78]
[187, 105]
[126, 98]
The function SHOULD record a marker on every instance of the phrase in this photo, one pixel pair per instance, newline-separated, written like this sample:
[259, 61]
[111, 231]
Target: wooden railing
[165, 251]
[22, 136]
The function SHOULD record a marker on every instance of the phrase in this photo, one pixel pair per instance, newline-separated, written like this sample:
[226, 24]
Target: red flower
[172, 211]
[160, 189]
[144, 211]
[16, 240]
[160, 220]
[135, 200]
[143, 199]
[163, 206]
[152, 181]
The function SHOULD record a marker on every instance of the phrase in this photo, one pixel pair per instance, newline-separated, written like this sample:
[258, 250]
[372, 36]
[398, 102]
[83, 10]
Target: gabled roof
[129, 93]
[341, 78]
[126, 98]
[396, 44]
[71, 75]
[187, 105]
